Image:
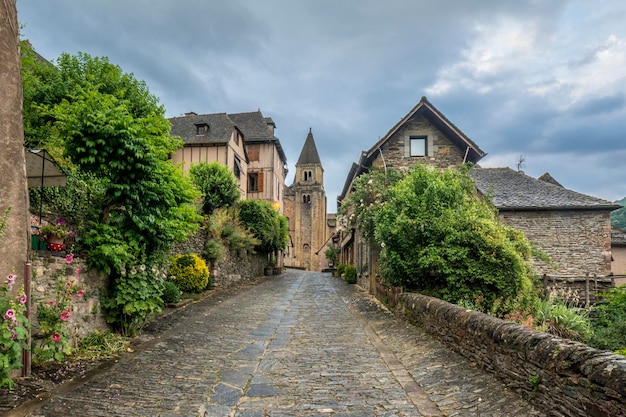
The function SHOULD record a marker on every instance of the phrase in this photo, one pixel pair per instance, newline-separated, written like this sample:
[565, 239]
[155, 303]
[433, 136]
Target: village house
[243, 142]
[572, 228]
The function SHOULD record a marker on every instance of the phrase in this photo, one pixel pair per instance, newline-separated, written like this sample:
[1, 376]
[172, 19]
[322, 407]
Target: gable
[424, 111]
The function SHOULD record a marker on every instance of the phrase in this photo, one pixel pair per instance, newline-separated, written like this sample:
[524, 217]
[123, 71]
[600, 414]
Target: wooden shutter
[260, 182]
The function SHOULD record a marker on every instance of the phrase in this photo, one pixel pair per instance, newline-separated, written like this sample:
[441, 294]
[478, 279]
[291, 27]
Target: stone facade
[562, 377]
[577, 241]
[440, 150]
[47, 271]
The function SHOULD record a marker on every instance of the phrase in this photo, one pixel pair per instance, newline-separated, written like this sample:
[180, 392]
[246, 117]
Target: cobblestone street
[298, 344]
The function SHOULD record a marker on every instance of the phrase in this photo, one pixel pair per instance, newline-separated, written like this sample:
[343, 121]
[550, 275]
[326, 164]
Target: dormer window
[202, 129]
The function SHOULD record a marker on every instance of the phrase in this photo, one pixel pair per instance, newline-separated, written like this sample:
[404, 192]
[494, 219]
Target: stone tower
[305, 209]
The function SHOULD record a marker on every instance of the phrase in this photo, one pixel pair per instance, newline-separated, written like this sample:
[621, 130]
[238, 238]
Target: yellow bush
[189, 273]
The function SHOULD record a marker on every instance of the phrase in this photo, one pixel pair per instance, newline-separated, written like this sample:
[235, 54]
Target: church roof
[309, 155]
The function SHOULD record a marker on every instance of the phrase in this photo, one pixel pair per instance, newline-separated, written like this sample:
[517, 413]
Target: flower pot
[54, 243]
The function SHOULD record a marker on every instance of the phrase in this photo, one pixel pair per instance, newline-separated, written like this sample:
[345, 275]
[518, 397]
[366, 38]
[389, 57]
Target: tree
[217, 185]
[266, 224]
[108, 125]
[437, 236]
[618, 217]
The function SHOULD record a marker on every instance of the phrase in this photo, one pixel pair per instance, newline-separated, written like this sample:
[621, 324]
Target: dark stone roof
[513, 190]
[256, 128]
[618, 237]
[549, 178]
[220, 128]
[309, 155]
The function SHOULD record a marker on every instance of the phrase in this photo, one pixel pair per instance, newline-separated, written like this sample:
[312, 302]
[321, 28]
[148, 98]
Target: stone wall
[48, 270]
[578, 242]
[238, 268]
[562, 377]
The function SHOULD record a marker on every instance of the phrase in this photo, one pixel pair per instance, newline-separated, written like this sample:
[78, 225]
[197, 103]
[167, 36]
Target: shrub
[557, 318]
[189, 272]
[350, 274]
[213, 251]
[171, 292]
[341, 269]
[609, 322]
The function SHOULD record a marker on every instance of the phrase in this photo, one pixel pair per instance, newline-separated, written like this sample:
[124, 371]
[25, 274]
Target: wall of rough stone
[578, 242]
[48, 270]
[563, 377]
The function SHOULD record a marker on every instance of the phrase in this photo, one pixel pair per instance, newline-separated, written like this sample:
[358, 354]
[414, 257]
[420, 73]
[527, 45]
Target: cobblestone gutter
[560, 376]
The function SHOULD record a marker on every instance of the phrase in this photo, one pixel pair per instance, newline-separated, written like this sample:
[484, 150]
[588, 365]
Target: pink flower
[10, 281]
[56, 337]
[10, 315]
[13, 335]
[65, 316]
[80, 293]
[69, 258]
[53, 303]
[77, 272]
[22, 299]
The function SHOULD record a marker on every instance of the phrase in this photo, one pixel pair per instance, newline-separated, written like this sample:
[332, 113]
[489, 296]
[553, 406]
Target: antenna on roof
[520, 163]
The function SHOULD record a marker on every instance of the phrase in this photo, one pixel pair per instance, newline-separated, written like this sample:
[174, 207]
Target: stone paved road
[300, 344]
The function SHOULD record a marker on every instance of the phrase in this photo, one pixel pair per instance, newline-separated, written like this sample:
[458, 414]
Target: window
[253, 152]
[237, 168]
[255, 182]
[306, 198]
[308, 175]
[418, 145]
[201, 129]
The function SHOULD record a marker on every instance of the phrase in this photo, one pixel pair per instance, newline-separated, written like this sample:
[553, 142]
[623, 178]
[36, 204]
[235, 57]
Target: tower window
[308, 175]
[306, 198]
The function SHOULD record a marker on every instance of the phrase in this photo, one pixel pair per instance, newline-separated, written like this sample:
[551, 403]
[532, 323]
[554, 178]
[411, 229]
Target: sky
[542, 81]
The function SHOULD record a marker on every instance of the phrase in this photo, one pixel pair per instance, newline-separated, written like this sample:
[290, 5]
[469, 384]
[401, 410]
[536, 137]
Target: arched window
[308, 175]
[306, 198]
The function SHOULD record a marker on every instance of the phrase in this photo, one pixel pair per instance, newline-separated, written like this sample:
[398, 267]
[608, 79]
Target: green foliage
[3, 221]
[213, 251]
[555, 317]
[341, 268]
[135, 294]
[350, 274]
[217, 185]
[227, 230]
[13, 331]
[618, 217]
[609, 321]
[171, 292]
[437, 236]
[189, 273]
[100, 345]
[265, 223]
[331, 253]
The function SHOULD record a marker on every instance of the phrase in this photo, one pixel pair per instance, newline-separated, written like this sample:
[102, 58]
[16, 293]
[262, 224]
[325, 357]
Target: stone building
[305, 209]
[572, 228]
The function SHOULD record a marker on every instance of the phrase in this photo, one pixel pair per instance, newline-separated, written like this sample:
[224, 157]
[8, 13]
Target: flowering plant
[54, 317]
[60, 229]
[13, 330]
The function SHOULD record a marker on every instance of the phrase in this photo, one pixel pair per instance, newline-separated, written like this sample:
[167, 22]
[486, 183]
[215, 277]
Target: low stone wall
[237, 268]
[563, 377]
[48, 270]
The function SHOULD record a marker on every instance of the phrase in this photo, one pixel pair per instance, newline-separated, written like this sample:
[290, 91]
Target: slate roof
[425, 109]
[255, 128]
[512, 190]
[618, 237]
[219, 132]
[309, 155]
